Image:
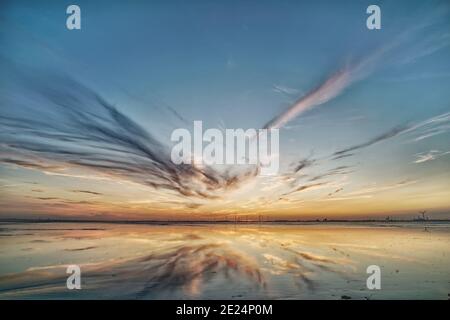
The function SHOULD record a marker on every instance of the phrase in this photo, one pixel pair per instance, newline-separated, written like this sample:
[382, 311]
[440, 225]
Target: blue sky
[240, 64]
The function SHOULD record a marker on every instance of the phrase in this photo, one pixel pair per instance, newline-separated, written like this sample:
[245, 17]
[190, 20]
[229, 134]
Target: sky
[86, 115]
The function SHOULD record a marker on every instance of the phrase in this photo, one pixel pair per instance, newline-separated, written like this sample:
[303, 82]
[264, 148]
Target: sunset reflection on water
[214, 261]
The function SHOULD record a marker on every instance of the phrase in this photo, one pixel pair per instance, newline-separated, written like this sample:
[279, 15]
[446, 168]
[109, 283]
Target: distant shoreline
[175, 222]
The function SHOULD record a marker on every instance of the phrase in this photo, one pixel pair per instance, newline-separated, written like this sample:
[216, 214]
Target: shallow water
[224, 261]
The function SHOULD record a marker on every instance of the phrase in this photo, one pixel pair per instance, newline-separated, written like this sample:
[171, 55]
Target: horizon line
[52, 220]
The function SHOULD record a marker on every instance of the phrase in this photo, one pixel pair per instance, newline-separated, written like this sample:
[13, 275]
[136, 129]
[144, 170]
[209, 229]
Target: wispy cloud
[334, 85]
[335, 191]
[387, 135]
[432, 127]
[427, 128]
[79, 129]
[368, 190]
[88, 192]
[284, 90]
[427, 47]
[430, 155]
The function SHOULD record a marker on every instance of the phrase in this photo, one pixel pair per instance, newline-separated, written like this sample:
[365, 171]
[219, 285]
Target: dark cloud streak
[60, 123]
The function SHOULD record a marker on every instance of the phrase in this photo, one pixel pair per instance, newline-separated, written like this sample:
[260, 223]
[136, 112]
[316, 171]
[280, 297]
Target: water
[224, 261]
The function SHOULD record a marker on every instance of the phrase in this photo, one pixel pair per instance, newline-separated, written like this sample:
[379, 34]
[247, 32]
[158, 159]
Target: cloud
[366, 192]
[30, 165]
[79, 129]
[428, 47]
[88, 192]
[284, 90]
[47, 198]
[342, 156]
[341, 170]
[387, 135]
[81, 249]
[305, 187]
[62, 202]
[334, 85]
[430, 155]
[433, 127]
[335, 191]
[303, 164]
[427, 128]
[375, 189]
